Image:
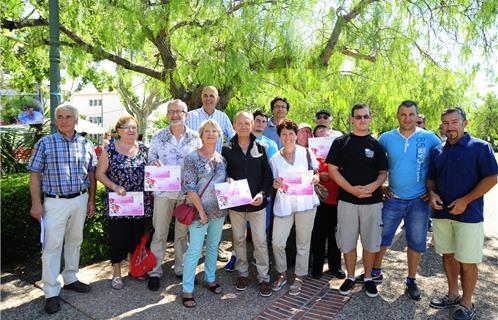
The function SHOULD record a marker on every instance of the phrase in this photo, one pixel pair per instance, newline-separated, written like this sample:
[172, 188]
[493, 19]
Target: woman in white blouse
[295, 202]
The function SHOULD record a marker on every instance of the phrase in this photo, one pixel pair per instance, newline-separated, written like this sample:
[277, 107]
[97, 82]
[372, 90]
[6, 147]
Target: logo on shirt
[369, 153]
[421, 155]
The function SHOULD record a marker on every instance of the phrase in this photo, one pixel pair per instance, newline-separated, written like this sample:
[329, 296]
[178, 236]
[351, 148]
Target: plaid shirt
[64, 164]
[197, 116]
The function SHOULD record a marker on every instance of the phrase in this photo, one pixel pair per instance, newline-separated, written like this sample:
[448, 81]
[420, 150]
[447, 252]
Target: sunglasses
[419, 122]
[365, 116]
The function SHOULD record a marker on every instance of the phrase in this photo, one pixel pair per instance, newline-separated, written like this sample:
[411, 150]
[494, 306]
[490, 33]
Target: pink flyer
[233, 194]
[297, 183]
[131, 204]
[321, 146]
[165, 178]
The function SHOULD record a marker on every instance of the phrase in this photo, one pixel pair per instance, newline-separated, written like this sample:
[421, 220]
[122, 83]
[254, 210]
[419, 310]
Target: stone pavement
[319, 300]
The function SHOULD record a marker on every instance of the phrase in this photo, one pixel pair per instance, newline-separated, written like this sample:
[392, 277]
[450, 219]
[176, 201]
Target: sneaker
[265, 289]
[117, 283]
[464, 313]
[339, 273]
[279, 283]
[52, 305]
[444, 302]
[413, 290]
[230, 266]
[346, 287]
[377, 279]
[78, 287]
[295, 287]
[241, 283]
[153, 284]
[371, 289]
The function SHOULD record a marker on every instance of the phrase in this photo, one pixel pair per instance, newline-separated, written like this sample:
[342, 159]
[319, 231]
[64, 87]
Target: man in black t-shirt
[358, 164]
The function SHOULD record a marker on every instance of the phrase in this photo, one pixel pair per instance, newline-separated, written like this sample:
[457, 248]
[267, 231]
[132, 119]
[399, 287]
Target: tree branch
[97, 52]
[342, 20]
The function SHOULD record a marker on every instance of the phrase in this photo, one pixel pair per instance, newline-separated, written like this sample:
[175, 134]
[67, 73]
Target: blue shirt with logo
[408, 161]
[456, 170]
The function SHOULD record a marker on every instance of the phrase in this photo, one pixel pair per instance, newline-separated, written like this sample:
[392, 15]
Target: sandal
[189, 302]
[117, 283]
[216, 288]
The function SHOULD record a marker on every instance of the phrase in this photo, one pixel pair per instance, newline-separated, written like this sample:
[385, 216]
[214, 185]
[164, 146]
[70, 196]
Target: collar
[207, 114]
[235, 139]
[72, 139]
[462, 142]
[270, 122]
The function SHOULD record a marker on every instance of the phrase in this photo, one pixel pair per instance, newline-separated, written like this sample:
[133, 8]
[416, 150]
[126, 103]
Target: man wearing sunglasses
[323, 118]
[408, 148]
[358, 164]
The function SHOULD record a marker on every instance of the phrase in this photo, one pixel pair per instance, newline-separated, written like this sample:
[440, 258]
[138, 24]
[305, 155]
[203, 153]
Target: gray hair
[178, 102]
[244, 114]
[68, 107]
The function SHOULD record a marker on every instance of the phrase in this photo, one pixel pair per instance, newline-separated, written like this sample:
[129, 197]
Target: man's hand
[435, 201]
[458, 206]
[425, 197]
[90, 209]
[387, 192]
[277, 183]
[361, 192]
[36, 211]
[257, 200]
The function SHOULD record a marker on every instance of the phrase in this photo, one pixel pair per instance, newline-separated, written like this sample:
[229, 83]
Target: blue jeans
[197, 231]
[415, 213]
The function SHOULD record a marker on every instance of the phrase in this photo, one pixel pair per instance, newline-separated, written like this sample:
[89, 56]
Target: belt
[65, 196]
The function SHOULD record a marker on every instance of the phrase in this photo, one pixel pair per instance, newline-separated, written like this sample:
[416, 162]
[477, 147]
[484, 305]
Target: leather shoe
[339, 274]
[413, 291]
[153, 284]
[78, 287]
[52, 305]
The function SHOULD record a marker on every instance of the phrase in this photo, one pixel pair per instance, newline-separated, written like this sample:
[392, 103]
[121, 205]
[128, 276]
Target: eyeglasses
[323, 116]
[365, 116]
[129, 128]
[176, 112]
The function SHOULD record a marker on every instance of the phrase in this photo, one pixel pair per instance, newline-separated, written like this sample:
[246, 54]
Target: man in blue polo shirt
[461, 172]
[279, 108]
[408, 148]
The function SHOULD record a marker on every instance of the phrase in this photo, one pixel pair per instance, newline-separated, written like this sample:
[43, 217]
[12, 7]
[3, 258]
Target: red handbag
[143, 260]
[185, 213]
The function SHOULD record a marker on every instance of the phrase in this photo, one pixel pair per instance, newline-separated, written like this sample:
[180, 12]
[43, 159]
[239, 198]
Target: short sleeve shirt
[457, 169]
[408, 159]
[359, 159]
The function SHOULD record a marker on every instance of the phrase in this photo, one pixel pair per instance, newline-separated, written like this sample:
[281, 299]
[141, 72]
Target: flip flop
[186, 300]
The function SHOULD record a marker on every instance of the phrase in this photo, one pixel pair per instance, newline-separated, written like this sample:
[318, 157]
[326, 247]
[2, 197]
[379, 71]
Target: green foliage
[21, 233]
[16, 145]
[483, 121]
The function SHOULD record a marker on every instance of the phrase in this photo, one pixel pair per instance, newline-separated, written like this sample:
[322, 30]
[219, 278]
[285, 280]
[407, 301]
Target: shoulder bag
[185, 213]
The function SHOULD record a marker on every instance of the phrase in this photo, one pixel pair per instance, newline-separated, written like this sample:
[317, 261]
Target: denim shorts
[415, 213]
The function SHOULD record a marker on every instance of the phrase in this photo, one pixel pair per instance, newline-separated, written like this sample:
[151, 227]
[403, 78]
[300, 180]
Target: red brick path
[317, 300]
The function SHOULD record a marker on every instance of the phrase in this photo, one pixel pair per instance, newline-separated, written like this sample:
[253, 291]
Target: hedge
[21, 233]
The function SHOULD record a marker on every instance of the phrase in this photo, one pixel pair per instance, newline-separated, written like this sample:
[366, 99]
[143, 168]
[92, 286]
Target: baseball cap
[304, 125]
[323, 111]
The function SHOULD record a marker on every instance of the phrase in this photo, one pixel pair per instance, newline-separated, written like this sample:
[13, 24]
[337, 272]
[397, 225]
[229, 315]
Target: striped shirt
[63, 163]
[197, 116]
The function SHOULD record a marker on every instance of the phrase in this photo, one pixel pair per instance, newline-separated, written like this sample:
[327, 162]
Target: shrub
[21, 233]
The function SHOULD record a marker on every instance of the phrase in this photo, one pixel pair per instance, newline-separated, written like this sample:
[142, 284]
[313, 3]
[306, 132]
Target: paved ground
[22, 300]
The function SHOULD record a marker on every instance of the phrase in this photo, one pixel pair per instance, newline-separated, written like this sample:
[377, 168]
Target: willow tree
[254, 49]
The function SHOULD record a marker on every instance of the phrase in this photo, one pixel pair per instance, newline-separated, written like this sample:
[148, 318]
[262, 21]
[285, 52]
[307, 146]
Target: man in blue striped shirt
[63, 173]
[208, 111]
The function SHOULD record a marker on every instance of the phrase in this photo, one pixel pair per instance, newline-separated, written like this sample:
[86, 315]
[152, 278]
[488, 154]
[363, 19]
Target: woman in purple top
[203, 167]
[121, 169]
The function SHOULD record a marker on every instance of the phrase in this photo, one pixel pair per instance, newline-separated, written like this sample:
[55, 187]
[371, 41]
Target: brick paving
[317, 300]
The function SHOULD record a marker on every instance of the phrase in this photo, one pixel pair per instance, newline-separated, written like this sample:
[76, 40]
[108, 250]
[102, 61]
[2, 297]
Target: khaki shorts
[465, 240]
[364, 220]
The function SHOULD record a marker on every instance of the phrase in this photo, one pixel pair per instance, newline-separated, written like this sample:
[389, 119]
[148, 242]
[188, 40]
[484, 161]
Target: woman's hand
[203, 218]
[157, 163]
[277, 183]
[119, 190]
[316, 179]
[230, 180]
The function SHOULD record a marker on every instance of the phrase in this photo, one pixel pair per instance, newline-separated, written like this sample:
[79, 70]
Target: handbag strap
[207, 184]
[308, 156]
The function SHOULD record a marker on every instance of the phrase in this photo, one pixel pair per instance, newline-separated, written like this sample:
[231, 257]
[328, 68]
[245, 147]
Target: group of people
[372, 185]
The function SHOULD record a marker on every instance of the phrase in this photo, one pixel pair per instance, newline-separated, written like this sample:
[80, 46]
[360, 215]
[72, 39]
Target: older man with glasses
[324, 118]
[169, 147]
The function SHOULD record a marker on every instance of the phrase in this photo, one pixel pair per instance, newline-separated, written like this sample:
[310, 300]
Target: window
[95, 102]
[96, 120]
